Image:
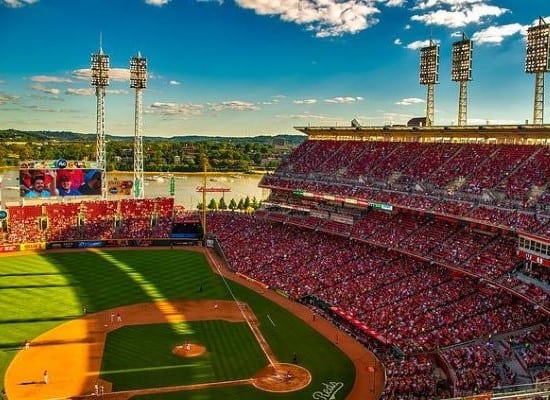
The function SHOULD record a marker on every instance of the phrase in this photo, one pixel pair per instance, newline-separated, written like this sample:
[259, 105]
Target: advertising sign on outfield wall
[32, 246]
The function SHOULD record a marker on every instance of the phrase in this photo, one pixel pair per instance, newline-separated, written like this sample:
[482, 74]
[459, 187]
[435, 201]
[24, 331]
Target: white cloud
[425, 4]
[185, 110]
[174, 83]
[395, 3]
[324, 17]
[91, 91]
[50, 79]
[418, 44]
[191, 110]
[409, 101]
[407, 27]
[18, 3]
[235, 105]
[458, 13]
[80, 92]
[343, 100]
[481, 121]
[83, 73]
[306, 101]
[270, 103]
[116, 91]
[157, 3]
[496, 34]
[115, 74]
[7, 98]
[44, 89]
[397, 42]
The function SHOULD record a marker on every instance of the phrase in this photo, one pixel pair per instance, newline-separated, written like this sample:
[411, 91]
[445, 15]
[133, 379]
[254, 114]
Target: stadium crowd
[90, 220]
[413, 304]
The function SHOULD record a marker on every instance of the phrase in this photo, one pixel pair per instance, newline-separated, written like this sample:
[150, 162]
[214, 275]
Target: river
[158, 185]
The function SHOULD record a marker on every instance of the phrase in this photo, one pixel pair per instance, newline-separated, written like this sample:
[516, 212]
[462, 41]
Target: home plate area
[282, 378]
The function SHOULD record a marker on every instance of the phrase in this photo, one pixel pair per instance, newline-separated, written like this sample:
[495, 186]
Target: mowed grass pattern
[140, 356]
[38, 292]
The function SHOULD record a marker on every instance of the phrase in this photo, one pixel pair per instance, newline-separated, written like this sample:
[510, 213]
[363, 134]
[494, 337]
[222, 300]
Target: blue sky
[251, 67]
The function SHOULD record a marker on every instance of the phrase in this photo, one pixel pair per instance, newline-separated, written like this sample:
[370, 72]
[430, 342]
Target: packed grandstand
[430, 246]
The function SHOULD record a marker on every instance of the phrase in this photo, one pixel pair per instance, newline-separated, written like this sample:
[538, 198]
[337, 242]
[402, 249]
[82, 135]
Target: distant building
[417, 121]
[278, 142]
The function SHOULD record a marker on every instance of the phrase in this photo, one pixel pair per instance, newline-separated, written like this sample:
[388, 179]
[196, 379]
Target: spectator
[64, 188]
[38, 186]
[92, 183]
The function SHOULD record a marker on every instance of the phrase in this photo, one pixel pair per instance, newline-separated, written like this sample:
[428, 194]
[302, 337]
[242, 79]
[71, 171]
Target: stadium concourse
[431, 246]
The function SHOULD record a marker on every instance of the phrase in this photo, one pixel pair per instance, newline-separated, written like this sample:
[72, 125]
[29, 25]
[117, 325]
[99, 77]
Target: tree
[221, 204]
[240, 206]
[232, 205]
[213, 205]
[246, 202]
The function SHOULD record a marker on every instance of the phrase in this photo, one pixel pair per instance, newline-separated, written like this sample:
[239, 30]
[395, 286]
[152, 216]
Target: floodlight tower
[138, 81]
[537, 62]
[462, 73]
[100, 79]
[429, 75]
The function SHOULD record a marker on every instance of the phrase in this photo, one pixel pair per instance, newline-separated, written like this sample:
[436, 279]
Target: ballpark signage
[8, 248]
[328, 392]
[328, 197]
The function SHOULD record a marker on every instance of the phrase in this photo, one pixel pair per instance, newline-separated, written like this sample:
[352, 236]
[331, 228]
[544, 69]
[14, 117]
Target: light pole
[462, 73]
[138, 81]
[429, 75]
[100, 79]
[537, 62]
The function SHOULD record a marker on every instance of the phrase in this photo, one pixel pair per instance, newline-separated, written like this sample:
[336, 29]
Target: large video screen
[49, 178]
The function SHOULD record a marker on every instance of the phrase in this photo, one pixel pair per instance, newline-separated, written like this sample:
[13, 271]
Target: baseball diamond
[217, 340]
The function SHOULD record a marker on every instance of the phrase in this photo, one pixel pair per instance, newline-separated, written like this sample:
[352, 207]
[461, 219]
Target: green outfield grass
[38, 292]
[232, 353]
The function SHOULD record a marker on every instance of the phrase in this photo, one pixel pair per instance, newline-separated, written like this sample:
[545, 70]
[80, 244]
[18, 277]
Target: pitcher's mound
[189, 350]
[282, 378]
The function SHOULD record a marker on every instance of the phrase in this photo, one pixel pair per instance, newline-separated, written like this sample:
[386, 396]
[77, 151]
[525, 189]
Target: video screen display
[50, 178]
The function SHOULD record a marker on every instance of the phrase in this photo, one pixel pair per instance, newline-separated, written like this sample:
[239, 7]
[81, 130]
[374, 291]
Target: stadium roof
[490, 133]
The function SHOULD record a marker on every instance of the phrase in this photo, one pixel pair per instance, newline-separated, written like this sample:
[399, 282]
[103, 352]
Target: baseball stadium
[390, 262]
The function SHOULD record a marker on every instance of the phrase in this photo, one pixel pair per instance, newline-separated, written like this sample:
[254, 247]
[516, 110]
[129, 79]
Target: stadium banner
[7, 248]
[91, 244]
[537, 259]
[51, 178]
[120, 186]
[62, 245]
[33, 246]
[381, 206]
